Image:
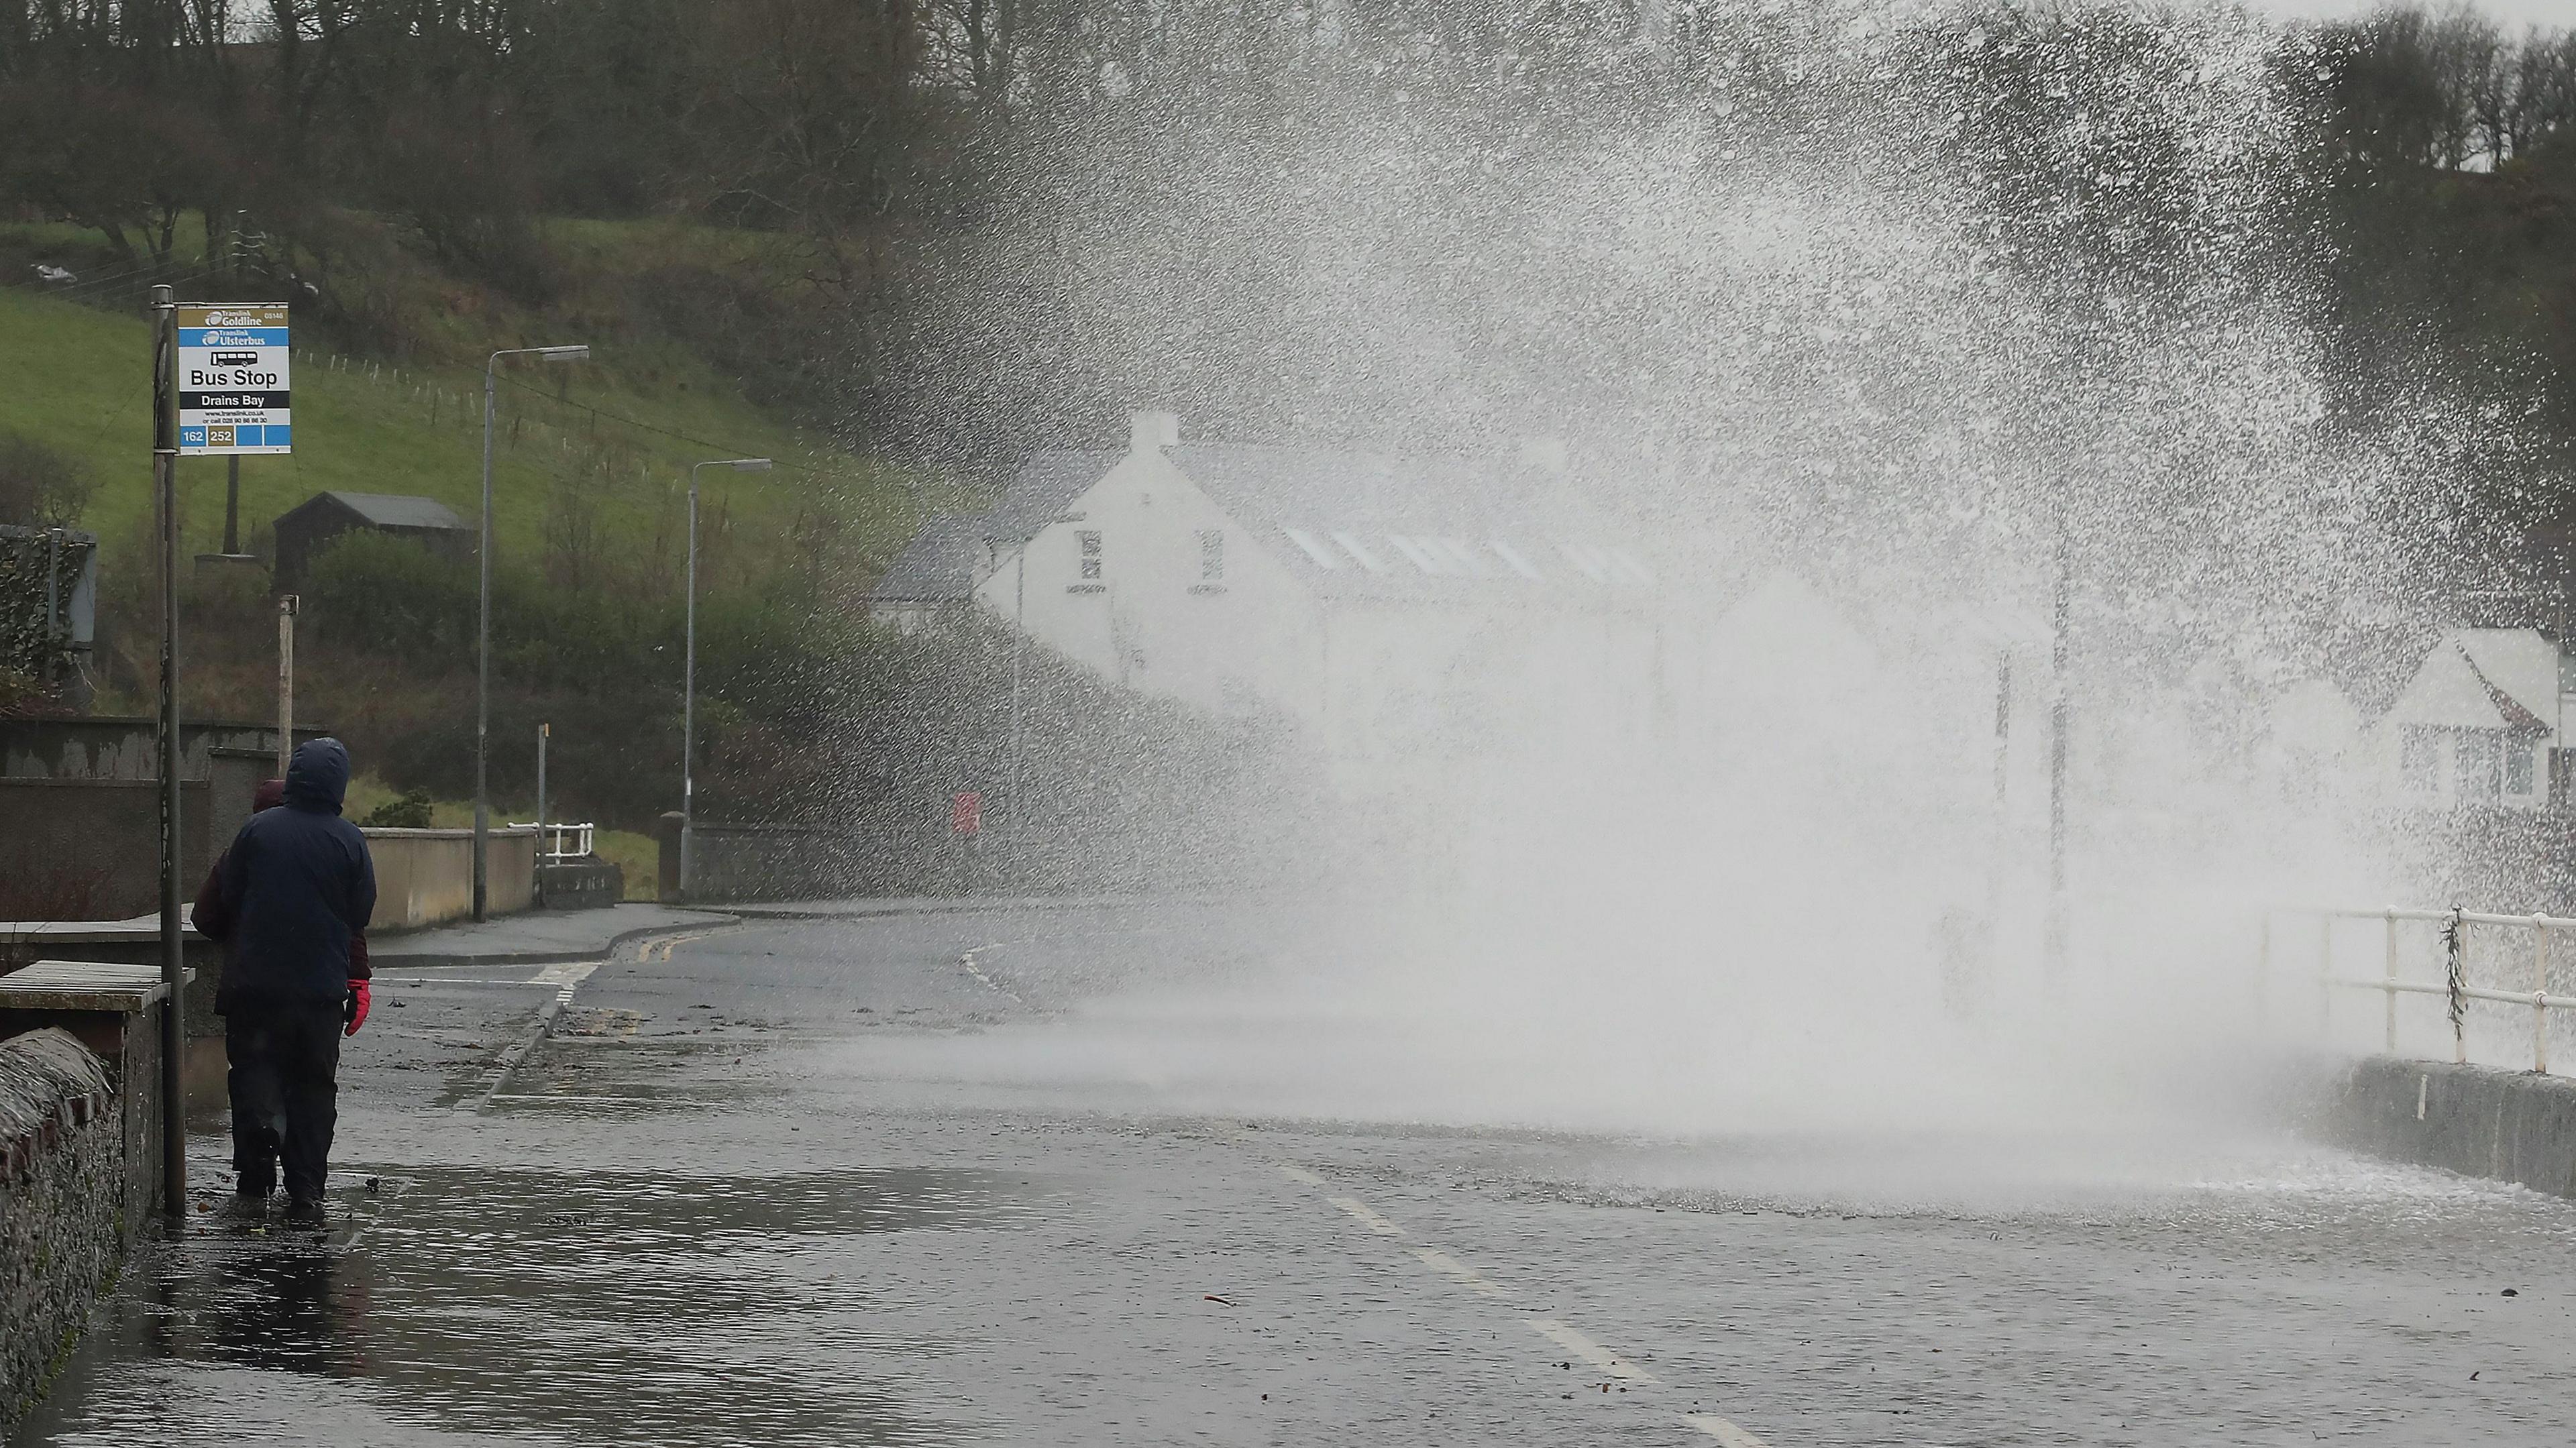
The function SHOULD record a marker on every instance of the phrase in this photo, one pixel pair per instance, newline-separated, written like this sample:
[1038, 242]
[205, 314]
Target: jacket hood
[270, 794]
[318, 779]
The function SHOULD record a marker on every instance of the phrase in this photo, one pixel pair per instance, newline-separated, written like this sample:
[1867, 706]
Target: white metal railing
[2454, 987]
[552, 840]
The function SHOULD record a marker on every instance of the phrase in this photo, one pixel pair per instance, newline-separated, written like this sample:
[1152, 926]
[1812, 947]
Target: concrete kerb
[943, 905]
[739, 913]
[554, 955]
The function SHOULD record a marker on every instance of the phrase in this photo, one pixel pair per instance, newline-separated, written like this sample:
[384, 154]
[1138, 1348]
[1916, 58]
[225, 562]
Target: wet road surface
[818, 1183]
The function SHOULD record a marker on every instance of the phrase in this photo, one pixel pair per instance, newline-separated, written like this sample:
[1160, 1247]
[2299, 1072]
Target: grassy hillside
[590, 484]
[79, 381]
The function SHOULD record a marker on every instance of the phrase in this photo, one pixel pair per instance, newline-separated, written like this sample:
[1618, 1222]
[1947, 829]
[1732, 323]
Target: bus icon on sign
[235, 359]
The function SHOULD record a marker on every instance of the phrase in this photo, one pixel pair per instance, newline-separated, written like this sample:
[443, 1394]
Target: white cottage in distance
[2483, 722]
[1383, 603]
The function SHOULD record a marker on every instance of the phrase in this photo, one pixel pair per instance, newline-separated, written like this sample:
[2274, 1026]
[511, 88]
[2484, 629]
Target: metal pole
[1019, 646]
[2263, 972]
[174, 979]
[2391, 991]
[2540, 995]
[2057, 731]
[2325, 974]
[232, 504]
[286, 609]
[689, 700]
[483, 663]
[483, 626]
[545, 843]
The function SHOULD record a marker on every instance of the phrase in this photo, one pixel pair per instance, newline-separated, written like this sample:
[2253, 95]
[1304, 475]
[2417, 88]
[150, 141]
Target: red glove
[357, 1011]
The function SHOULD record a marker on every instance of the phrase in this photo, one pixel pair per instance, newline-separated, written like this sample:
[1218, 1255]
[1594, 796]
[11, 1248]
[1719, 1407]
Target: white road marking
[968, 961]
[1298, 1174]
[1367, 1218]
[1723, 1431]
[570, 972]
[383, 979]
[1588, 1350]
[1449, 1266]
[567, 978]
[603, 1100]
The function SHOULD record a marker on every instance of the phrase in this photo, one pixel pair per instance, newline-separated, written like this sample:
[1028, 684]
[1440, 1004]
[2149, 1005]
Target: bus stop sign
[232, 366]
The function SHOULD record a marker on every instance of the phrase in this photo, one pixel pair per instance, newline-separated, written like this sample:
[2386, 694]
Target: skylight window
[1313, 547]
[1414, 553]
[1359, 552]
[1590, 561]
[1513, 556]
[1456, 557]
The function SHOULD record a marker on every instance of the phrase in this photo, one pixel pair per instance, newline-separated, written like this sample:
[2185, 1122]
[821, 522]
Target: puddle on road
[533, 1306]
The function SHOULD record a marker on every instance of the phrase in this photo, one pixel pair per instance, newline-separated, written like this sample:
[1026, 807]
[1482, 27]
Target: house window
[1212, 554]
[2480, 755]
[2517, 768]
[1090, 540]
[2420, 758]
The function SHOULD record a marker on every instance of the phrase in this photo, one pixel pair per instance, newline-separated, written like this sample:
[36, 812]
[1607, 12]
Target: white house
[1388, 606]
[2481, 723]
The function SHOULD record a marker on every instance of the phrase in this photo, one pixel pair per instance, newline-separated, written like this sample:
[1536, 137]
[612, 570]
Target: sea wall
[63, 1218]
[2476, 1120]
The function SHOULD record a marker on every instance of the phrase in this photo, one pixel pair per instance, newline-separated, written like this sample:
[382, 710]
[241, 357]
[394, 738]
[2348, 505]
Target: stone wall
[121, 747]
[426, 877]
[2475, 1120]
[921, 856]
[90, 849]
[63, 1221]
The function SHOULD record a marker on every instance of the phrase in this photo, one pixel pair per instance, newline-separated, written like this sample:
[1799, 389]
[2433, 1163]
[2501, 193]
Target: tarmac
[920, 1177]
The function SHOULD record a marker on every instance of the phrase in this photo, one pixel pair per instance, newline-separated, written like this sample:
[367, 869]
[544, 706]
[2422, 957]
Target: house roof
[395, 510]
[1379, 526]
[938, 565]
[1041, 490]
[2484, 679]
[1362, 525]
[2519, 664]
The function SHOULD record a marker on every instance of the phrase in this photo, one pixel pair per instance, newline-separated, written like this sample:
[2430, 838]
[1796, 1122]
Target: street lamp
[689, 674]
[483, 615]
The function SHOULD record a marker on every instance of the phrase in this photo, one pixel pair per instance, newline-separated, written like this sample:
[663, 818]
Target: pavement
[534, 937]
[888, 1179]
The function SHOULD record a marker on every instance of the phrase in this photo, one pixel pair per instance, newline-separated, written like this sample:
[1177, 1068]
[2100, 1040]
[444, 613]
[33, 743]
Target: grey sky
[2512, 12]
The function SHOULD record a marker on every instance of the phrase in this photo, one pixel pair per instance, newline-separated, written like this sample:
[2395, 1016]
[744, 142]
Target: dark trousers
[285, 1086]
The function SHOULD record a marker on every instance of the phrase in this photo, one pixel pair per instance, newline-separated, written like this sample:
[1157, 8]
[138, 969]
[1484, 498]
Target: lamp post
[483, 617]
[174, 974]
[689, 675]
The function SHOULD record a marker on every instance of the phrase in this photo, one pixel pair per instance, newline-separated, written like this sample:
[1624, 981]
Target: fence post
[2391, 990]
[2540, 995]
[2325, 973]
[2455, 941]
[2262, 970]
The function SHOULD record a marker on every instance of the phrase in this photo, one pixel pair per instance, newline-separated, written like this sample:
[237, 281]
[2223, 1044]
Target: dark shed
[303, 529]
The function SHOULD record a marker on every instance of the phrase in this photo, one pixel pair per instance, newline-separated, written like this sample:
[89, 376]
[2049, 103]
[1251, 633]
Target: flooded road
[823, 1182]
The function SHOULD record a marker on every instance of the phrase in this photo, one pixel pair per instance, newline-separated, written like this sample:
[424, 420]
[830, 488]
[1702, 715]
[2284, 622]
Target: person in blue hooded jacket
[294, 892]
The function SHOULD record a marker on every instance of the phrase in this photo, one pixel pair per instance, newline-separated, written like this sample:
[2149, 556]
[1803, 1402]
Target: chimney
[1152, 431]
